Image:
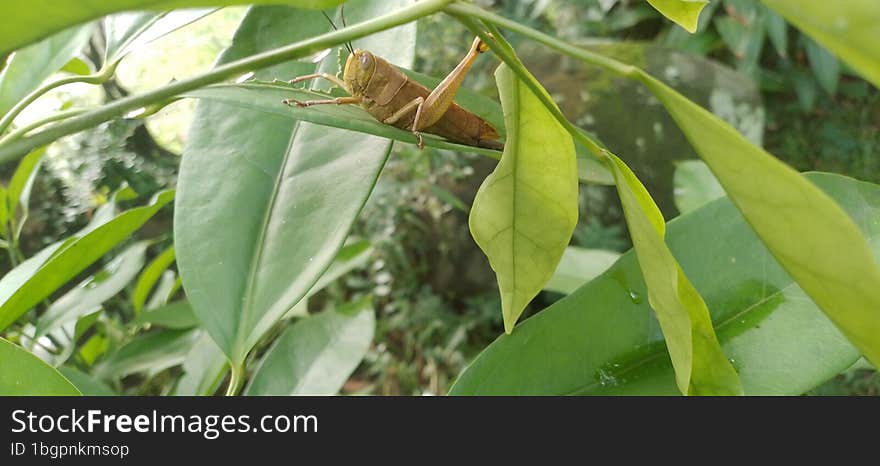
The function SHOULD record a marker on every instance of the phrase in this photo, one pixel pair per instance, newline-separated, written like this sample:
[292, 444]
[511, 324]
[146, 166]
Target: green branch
[20, 147]
[98, 78]
[460, 10]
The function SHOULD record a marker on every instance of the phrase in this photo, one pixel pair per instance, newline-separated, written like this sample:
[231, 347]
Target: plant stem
[20, 147]
[236, 378]
[504, 51]
[467, 10]
[98, 78]
[63, 115]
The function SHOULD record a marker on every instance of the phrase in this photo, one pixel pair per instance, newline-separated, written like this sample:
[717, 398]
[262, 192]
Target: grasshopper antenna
[333, 25]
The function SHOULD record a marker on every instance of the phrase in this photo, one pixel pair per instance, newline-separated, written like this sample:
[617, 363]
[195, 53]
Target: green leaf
[249, 250]
[350, 257]
[848, 29]
[23, 374]
[777, 31]
[578, 266]
[525, 211]
[685, 13]
[88, 295]
[694, 185]
[701, 368]
[30, 66]
[825, 66]
[793, 217]
[85, 382]
[149, 277]
[316, 355]
[164, 290]
[128, 31]
[77, 66]
[19, 194]
[150, 353]
[605, 340]
[33, 20]
[265, 98]
[4, 213]
[178, 315]
[37, 278]
[203, 369]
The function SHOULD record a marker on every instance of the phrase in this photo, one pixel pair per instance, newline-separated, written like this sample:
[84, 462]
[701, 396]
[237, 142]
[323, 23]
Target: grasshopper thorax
[359, 69]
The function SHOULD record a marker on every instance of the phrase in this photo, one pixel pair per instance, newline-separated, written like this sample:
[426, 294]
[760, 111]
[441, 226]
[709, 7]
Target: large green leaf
[810, 235]
[525, 211]
[605, 340]
[38, 277]
[23, 374]
[149, 353]
[700, 365]
[316, 355]
[33, 20]
[849, 29]
[685, 13]
[88, 296]
[30, 66]
[265, 203]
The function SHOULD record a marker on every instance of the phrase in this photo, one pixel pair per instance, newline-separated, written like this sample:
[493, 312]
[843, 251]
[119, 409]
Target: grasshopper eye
[366, 60]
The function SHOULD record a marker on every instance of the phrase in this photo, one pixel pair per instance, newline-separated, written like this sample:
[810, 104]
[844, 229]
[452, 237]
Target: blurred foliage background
[436, 301]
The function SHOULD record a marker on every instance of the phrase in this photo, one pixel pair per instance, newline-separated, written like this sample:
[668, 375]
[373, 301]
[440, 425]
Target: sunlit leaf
[526, 210]
[685, 13]
[810, 235]
[605, 339]
[848, 29]
[701, 368]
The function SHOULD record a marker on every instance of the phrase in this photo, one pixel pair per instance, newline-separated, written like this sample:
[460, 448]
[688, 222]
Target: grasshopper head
[359, 69]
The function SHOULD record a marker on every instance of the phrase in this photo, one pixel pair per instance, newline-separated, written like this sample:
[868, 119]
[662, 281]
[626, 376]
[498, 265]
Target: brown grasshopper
[392, 98]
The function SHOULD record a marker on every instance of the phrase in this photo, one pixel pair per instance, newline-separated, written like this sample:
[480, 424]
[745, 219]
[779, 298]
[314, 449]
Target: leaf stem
[504, 51]
[18, 148]
[236, 378]
[472, 11]
[98, 78]
[57, 116]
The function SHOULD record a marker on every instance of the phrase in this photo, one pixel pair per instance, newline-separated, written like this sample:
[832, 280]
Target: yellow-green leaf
[808, 233]
[701, 368]
[526, 210]
[685, 13]
[850, 29]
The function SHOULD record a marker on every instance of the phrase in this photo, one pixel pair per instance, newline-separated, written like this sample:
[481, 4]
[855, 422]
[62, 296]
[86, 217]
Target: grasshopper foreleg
[327, 76]
[309, 103]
